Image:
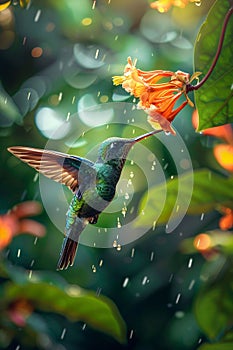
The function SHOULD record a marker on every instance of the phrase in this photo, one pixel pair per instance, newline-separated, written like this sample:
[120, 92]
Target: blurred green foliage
[56, 63]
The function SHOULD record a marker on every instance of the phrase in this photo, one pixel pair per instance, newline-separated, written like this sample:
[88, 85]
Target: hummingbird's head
[116, 148]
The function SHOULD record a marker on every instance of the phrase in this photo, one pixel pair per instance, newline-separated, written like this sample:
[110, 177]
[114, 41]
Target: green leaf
[214, 100]
[214, 308]
[72, 302]
[209, 190]
[216, 346]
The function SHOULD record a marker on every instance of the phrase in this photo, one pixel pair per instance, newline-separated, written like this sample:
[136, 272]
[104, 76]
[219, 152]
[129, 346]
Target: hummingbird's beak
[144, 136]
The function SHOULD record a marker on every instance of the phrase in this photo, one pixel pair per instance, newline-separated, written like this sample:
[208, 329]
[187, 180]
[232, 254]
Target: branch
[190, 87]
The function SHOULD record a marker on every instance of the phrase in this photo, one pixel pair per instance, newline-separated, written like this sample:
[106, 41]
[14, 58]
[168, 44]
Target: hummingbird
[93, 183]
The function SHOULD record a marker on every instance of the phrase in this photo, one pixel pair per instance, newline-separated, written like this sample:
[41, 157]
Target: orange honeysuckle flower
[156, 98]
[14, 222]
[164, 5]
[224, 155]
[224, 132]
[226, 222]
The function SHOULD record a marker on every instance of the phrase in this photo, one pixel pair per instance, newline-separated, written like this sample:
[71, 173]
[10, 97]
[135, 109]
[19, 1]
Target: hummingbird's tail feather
[67, 255]
[69, 247]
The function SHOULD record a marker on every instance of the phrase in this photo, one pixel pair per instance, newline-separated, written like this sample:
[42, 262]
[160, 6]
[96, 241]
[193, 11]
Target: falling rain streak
[125, 283]
[63, 333]
[37, 16]
[190, 263]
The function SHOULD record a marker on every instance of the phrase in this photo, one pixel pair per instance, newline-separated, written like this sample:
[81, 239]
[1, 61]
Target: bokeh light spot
[37, 52]
[51, 124]
[202, 242]
[86, 21]
[104, 99]
[50, 27]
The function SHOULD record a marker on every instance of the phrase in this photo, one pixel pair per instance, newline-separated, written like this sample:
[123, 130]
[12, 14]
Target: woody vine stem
[190, 87]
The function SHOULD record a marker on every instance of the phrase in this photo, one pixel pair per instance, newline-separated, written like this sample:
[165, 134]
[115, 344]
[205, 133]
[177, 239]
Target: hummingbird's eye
[113, 144]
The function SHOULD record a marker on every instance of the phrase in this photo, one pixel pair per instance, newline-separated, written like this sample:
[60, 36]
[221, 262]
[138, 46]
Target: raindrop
[198, 3]
[17, 347]
[118, 223]
[118, 247]
[144, 280]
[191, 284]
[154, 225]
[152, 256]
[101, 262]
[93, 268]
[18, 253]
[30, 274]
[98, 291]
[23, 195]
[190, 263]
[84, 326]
[32, 262]
[63, 333]
[60, 96]
[171, 278]
[97, 53]
[125, 283]
[131, 174]
[132, 210]
[114, 244]
[132, 252]
[68, 117]
[178, 298]
[165, 166]
[132, 162]
[131, 334]
[124, 211]
[202, 216]
[167, 133]
[35, 240]
[73, 100]
[36, 177]
[37, 16]
[126, 195]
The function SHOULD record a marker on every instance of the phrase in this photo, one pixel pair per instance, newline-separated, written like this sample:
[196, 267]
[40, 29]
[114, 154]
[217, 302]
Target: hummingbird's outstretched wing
[60, 167]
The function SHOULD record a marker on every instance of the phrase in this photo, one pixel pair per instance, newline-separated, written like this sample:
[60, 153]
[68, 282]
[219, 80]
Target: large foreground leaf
[214, 100]
[71, 302]
[214, 309]
[209, 190]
